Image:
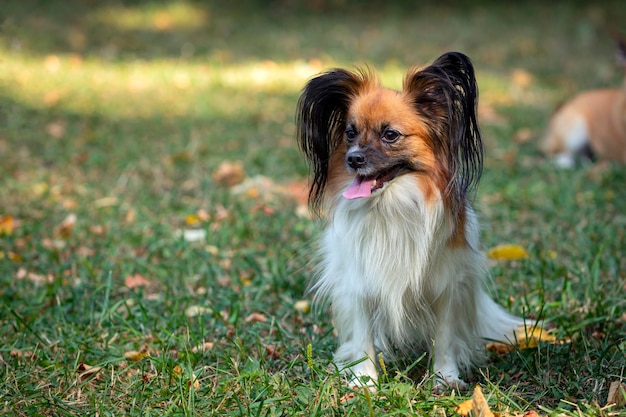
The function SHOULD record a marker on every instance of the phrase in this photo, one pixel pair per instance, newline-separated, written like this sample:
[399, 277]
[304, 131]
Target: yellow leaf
[508, 252]
[525, 338]
[479, 404]
[530, 338]
[177, 371]
[134, 355]
[303, 306]
[192, 220]
[7, 224]
[464, 408]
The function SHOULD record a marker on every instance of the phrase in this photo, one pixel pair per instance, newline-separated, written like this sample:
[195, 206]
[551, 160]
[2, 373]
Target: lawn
[140, 275]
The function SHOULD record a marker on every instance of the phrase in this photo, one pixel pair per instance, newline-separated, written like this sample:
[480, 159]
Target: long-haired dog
[393, 173]
[591, 124]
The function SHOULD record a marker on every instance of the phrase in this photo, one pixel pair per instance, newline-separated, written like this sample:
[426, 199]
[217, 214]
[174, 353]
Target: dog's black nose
[356, 159]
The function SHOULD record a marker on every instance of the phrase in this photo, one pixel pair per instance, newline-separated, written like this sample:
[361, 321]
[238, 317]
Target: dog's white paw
[362, 375]
[441, 384]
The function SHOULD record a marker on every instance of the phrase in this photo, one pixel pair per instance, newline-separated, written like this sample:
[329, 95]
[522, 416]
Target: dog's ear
[321, 122]
[446, 94]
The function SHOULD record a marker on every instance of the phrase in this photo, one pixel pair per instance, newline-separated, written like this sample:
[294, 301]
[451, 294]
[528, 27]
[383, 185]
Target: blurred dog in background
[592, 124]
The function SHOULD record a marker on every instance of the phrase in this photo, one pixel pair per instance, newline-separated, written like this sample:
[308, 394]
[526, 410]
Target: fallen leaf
[303, 306]
[347, 397]
[479, 404]
[525, 338]
[193, 311]
[65, 228]
[202, 347]
[7, 225]
[56, 129]
[85, 370]
[137, 355]
[508, 252]
[522, 78]
[256, 318]
[192, 235]
[523, 135]
[192, 220]
[194, 382]
[229, 173]
[617, 394]
[34, 277]
[271, 351]
[136, 280]
[464, 408]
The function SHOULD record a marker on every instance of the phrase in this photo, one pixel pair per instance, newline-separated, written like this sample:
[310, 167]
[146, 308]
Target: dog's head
[352, 128]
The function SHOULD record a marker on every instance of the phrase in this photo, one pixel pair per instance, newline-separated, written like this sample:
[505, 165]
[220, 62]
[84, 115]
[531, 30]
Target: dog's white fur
[396, 284]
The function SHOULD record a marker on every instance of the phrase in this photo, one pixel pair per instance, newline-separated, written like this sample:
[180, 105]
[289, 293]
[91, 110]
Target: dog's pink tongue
[359, 188]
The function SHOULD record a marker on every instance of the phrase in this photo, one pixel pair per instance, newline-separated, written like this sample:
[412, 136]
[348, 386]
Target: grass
[114, 117]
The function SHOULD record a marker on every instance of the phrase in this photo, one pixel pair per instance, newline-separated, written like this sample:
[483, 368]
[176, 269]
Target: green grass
[119, 115]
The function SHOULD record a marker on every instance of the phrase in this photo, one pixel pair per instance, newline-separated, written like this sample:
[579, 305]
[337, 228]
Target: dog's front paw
[441, 384]
[362, 375]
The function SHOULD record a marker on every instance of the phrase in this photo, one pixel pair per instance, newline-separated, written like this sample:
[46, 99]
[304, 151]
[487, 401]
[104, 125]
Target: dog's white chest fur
[394, 281]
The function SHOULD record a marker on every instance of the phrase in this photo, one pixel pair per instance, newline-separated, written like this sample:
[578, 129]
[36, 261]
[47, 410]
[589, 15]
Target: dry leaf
[192, 220]
[256, 317]
[34, 277]
[65, 228]
[193, 311]
[347, 397]
[523, 135]
[229, 173]
[522, 78]
[202, 347]
[136, 280]
[464, 408]
[303, 306]
[137, 355]
[479, 404]
[508, 252]
[56, 129]
[525, 338]
[617, 394]
[194, 382]
[271, 351]
[7, 225]
[85, 370]
[192, 235]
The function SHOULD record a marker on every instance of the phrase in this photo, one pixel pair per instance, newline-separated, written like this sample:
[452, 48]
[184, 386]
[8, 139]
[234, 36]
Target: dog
[393, 173]
[592, 124]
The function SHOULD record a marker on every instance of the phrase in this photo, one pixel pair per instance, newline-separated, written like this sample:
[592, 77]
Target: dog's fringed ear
[321, 122]
[446, 94]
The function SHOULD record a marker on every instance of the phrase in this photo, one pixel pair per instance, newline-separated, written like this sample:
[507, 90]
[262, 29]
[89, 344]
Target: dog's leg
[445, 359]
[353, 324]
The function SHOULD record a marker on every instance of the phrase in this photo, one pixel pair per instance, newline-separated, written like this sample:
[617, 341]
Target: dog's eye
[391, 136]
[350, 134]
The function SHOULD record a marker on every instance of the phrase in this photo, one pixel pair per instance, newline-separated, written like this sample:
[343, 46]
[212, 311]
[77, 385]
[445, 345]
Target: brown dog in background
[591, 124]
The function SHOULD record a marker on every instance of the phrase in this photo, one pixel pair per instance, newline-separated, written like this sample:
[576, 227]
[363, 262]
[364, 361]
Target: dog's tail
[496, 324]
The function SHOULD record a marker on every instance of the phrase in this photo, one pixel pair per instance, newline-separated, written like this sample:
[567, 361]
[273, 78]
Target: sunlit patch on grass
[147, 88]
[153, 16]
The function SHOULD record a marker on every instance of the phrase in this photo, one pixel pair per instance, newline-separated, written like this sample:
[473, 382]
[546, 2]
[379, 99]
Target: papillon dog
[393, 173]
[592, 124]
